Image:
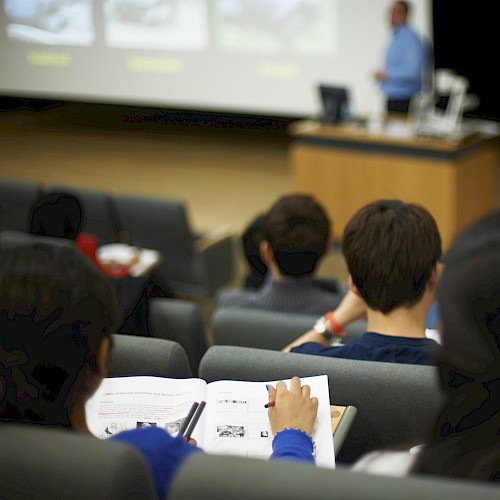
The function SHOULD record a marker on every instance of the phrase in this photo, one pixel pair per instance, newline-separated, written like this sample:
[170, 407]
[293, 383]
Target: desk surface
[397, 134]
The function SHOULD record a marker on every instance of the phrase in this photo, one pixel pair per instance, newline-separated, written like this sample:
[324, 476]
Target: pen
[271, 403]
[195, 419]
[188, 418]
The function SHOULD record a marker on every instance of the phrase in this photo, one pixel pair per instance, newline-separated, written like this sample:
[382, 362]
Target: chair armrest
[216, 259]
[342, 426]
[212, 238]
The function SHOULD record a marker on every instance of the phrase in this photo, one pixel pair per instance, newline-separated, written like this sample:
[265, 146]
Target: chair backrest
[160, 224]
[133, 355]
[98, 212]
[19, 238]
[216, 476]
[265, 329]
[42, 462]
[180, 321]
[16, 201]
[396, 403]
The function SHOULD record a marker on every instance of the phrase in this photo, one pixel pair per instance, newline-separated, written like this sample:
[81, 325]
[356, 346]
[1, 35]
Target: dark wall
[466, 40]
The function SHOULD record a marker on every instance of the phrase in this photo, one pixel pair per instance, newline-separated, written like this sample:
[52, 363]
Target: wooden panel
[477, 181]
[344, 181]
[456, 187]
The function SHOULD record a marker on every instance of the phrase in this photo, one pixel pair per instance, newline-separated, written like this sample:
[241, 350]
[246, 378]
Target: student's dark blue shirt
[377, 347]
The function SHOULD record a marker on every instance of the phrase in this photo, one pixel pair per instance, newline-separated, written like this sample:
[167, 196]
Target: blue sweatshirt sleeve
[164, 453]
[292, 444]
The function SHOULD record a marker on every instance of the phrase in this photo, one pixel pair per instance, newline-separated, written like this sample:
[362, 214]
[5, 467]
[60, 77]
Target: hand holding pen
[292, 408]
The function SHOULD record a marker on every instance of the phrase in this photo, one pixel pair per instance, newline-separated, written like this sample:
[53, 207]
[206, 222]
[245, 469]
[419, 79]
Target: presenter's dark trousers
[398, 105]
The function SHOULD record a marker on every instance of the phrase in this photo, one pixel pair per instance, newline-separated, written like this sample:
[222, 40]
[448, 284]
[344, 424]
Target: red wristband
[335, 326]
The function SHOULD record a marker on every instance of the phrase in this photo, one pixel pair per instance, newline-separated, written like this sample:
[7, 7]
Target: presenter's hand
[380, 75]
[292, 408]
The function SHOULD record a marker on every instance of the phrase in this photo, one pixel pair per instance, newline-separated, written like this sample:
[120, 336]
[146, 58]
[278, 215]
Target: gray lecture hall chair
[191, 265]
[142, 356]
[180, 321]
[98, 212]
[396, 403]
[16, 200]
[19, 238]
[40, 462]
[265, 329]
[212, 477]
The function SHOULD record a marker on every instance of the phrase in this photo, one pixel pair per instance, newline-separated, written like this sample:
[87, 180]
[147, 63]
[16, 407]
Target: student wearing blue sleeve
[292, 419]
[57, 314]
[292, 429]
[405, 63]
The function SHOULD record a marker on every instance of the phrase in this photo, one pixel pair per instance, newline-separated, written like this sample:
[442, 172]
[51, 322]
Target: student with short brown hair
[392, 250]
[463, 442]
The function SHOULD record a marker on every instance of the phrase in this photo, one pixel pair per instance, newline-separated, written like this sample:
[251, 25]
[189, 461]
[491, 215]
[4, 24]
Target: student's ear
[352, 286]
[266, 252]
[102, 357]
[435, 275]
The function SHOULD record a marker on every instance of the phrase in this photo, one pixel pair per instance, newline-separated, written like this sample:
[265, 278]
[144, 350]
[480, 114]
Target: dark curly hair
[56, 214]
[298, 230]
[465, 439]
[55, 308]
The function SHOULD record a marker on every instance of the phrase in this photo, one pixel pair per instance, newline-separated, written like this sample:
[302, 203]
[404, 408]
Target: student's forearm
[309, 336]
[350, 309]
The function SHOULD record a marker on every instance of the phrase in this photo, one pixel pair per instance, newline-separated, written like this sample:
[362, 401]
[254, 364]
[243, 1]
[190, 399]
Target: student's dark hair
[55, 308]
[56, 214]
[391, 249]
[251, 238]
[298, 230]
[465, 441]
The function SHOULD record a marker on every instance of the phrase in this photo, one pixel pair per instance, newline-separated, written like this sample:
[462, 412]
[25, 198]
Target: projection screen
[263, 57]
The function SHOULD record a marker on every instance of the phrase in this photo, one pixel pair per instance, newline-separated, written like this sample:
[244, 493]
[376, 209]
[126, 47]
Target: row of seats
[266, 329]
[394, 402]
[193, 265]
[71, 465]
[182, 321]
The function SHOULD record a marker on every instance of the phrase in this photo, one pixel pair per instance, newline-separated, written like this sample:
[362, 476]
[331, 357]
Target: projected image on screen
[156, 24]
[243, 56]
[51, 22]
[274, 26]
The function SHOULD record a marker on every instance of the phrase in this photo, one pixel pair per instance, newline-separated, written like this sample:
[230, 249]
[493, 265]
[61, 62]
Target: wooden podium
[345, 167]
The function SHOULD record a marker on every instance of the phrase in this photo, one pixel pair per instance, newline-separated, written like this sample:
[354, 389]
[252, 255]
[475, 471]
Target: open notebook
[235, 420]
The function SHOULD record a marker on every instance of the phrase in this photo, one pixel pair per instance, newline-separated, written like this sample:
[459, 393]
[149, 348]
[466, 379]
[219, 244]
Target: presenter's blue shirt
[404, 64]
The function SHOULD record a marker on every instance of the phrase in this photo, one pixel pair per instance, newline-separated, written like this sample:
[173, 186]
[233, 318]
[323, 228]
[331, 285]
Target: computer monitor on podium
[335, 104]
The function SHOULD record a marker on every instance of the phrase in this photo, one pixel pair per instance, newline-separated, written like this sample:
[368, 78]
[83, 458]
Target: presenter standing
[405, 61]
